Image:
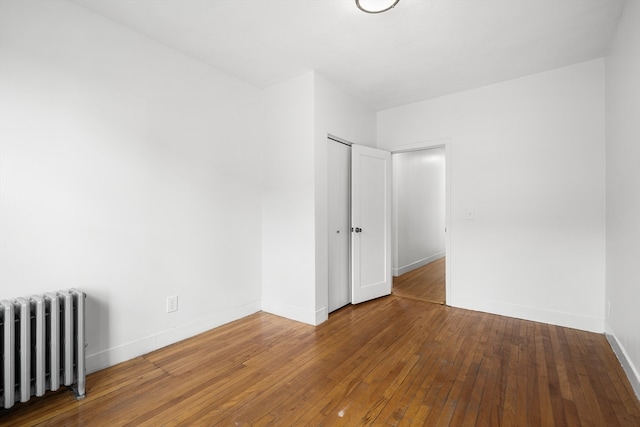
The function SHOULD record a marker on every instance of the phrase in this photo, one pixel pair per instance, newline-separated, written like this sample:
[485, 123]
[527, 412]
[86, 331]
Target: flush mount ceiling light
[376, 6]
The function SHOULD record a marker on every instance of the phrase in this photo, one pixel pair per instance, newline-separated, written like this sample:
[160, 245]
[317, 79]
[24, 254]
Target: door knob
[358, 230]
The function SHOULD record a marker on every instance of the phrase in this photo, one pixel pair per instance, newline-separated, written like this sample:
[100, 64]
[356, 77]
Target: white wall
[299, 113]
[288, 228]
[419, 208]
[623, 191]
[129, 171]
[527, 155]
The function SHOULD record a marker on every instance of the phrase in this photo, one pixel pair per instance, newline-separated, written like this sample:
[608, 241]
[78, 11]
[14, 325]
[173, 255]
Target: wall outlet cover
[172, 304]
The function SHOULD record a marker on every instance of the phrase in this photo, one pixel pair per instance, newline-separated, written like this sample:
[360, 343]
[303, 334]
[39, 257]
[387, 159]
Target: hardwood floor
[425, 283]
[392, 361]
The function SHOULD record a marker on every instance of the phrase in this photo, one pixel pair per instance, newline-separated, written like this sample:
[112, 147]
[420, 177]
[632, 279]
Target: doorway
[343, 276]
[421, 241]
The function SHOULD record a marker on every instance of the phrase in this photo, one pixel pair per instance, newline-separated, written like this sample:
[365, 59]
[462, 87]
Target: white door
[370, 223]
[338, 194]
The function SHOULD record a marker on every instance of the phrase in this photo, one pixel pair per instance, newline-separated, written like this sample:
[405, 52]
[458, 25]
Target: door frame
[425, 145]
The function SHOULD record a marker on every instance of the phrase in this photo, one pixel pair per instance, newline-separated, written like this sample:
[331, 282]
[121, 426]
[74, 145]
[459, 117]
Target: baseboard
[568, 320]
[296, 313]
[322, 315]
[632, 373]
[407, 268]
[122, 353]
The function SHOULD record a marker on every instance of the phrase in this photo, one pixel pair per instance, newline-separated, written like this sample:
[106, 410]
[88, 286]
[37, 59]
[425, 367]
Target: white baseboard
[122, 353]
[298, 314]
[407, 268]
[535, 314]
[627, 366]
[322, 315]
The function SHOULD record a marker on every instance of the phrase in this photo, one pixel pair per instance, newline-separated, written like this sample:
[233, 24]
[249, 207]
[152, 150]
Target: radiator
[42, 344]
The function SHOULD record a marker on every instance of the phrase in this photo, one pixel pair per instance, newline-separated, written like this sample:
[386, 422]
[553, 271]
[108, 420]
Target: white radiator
[42, 345]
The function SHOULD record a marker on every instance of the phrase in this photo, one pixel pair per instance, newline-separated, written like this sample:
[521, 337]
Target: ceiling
[418, 50]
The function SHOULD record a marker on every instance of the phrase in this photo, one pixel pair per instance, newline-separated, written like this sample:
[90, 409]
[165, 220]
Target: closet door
[338, 188]
[370, 223]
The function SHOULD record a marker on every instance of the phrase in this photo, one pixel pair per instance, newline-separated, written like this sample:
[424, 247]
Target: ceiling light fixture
[376, 6]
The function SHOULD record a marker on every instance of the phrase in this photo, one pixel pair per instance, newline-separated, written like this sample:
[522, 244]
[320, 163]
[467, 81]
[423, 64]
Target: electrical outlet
[172, 304]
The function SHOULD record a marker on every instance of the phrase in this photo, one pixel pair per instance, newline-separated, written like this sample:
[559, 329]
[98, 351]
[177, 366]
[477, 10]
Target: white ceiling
[418, 50]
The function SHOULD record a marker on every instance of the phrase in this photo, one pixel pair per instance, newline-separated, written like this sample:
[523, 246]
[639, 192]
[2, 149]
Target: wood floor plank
[558, 359]
[472, 383]
[526, 378]
[392, 361]
[401, 406]
[492, 398]
[600, 381]
[544, 385]
[508, 384]
[455, 374]
[592, 412]
[443, 371]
